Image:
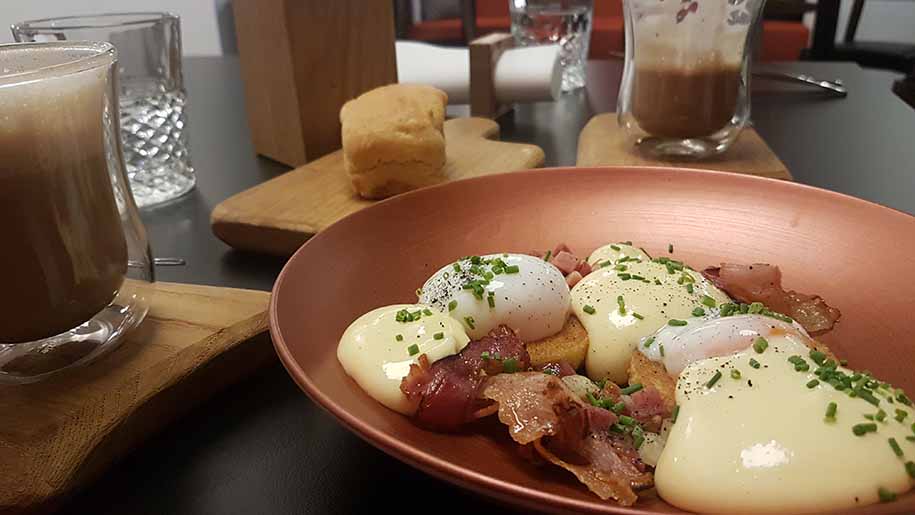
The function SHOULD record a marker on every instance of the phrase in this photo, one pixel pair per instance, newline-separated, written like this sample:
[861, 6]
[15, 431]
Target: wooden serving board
[59, 434]
[603, 143]
[278, 216]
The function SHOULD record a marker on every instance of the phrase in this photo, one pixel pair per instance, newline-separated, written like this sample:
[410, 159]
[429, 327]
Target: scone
[393, 140]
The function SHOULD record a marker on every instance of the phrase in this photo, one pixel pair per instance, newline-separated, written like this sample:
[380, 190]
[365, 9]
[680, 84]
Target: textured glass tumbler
[152, 96]
[685, 89]
[550, 22]
[75, 266]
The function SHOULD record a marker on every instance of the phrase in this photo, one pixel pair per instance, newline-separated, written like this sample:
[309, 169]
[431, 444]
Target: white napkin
[528, 74]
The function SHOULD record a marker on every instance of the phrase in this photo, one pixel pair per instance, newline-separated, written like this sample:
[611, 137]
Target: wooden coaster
[603, 143]
[59, 434]
[278, 216]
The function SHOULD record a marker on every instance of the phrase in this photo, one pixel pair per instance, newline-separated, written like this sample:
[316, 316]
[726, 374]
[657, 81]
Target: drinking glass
[563, 22]
[152, 97]
[75, 266]
[685, 89]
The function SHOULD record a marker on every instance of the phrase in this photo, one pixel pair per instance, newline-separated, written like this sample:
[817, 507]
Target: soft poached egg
[522, 292]
[377, 349]
[627, 298]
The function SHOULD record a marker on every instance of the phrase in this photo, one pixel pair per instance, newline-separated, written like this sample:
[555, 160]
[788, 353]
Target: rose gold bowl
[859, 256]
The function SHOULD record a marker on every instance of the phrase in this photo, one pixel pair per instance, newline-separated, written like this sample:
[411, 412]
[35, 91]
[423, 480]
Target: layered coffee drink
[685, 101]
[64, 252]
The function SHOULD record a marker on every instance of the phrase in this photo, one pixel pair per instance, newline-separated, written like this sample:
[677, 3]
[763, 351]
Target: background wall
[207, 27]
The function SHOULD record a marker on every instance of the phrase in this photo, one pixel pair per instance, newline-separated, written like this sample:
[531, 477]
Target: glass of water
[152, 97]
[550, 22]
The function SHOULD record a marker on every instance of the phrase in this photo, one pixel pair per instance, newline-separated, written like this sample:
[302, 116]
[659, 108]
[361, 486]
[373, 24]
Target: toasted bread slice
[652, 373]
[569, 345]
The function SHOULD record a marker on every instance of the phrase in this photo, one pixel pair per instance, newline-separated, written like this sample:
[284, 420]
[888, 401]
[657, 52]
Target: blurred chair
[874, 54]
[784, 36]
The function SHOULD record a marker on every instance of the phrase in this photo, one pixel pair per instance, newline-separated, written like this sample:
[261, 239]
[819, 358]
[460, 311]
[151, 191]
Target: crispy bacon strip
[447, 391]
[539, 409]
[763, 283]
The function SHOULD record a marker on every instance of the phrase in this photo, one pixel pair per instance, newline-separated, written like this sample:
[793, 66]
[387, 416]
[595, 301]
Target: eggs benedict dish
[634, 372]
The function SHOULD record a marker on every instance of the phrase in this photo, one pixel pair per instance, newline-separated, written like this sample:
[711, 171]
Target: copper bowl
[858, 255]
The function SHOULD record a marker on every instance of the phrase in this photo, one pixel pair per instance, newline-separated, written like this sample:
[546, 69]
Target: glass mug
[685, 90]
[76, 267]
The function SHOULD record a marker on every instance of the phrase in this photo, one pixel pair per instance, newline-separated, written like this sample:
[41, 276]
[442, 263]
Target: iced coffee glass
[75, 266]
[685, 89]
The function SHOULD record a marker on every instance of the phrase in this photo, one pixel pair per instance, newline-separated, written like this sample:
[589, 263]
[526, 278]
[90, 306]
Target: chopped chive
[698, 312]
[457, 267]
[622, 304]
[869, 416]
[831, 411]
[638, 437]
[510, 365]
[862, 429]
[648, 342]
[676, 323]
[614, 247]
[868, 396]
[618, 407]
[491, 300]
[661, 348]
[624, 276]
[885, 495]
[901, 397]
[880, 416]
[469, 322]
[637, 277]
[589, 309]
[439, 336]
[670, 248]
[452, 305]
[901, 415]
[636, 315]
[427, 312]
[689, 287]
[547, 256]
[812, 383]
[711, 382]
[512, 269]
[910, 438]
[657, 282]
[735, 374]
[484, 355]
[910, 468]
[754, 363]
[413, 349]
[676, 412]
[708, 301]
[895, 446]
[818, 357]
[621, 268]
[631, 389]
[399, 337]
[626, 420]
[760, 345]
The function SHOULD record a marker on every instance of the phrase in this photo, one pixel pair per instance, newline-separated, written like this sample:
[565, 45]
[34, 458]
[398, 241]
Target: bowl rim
[441, 468]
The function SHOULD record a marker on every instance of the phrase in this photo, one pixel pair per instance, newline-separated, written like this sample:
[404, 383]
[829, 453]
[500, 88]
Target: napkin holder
[484, 54]
[301, 60]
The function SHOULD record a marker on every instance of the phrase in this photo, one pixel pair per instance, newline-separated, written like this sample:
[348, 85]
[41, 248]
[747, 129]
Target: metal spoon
[834, 87]
[169, 261]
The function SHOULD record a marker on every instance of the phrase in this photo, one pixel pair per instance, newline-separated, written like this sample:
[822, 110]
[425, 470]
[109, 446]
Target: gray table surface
[262, 446]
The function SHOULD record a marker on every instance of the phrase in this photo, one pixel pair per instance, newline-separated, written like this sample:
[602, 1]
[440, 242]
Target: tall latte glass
[75, 266]
[685, 89]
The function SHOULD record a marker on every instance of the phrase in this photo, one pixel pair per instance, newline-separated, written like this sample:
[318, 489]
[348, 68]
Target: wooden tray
[603, 143]
[278, 216]
[59, 434]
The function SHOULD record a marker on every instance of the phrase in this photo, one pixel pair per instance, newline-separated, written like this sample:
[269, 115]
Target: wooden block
[301, 61]
[603, 143]
[484, 53]
[278, 216]
[59, 434]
